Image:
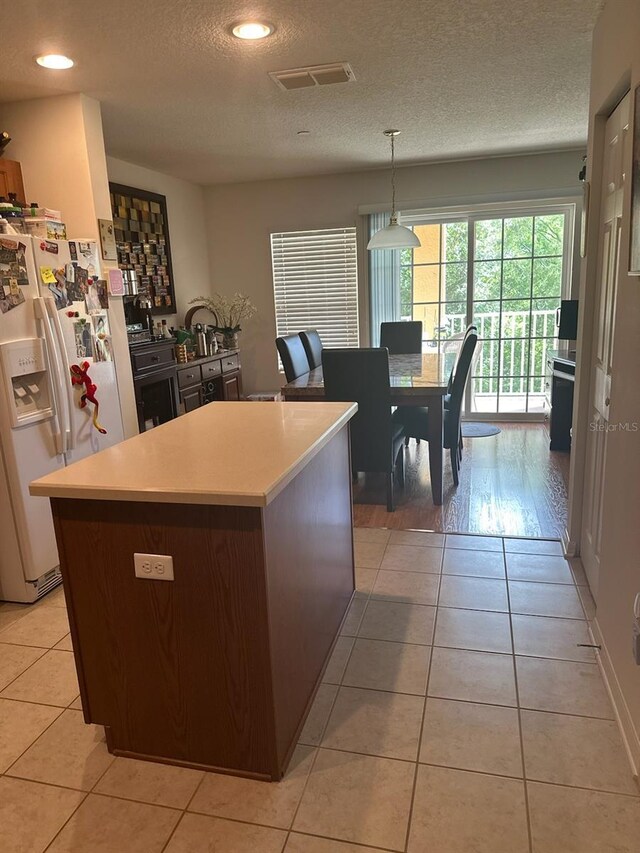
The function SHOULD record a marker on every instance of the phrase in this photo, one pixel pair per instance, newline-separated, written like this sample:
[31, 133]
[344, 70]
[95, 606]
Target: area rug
[477, 430]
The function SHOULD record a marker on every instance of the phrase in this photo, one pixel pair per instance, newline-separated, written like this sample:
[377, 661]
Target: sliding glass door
[516, 291]
[506, 272]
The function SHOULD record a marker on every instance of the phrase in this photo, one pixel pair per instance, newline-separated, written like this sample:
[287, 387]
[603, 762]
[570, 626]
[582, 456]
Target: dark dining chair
[312, 344]
[362, 376]
[292, 355]
[463, 336]
[402, 338]
[415, 419]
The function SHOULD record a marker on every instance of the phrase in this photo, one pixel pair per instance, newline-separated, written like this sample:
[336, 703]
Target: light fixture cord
[393, 176]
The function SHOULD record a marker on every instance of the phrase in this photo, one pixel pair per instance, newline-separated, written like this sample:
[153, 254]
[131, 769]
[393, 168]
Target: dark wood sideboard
[165, 389]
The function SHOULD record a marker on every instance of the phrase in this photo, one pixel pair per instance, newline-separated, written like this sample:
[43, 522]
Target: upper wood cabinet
[11, 179]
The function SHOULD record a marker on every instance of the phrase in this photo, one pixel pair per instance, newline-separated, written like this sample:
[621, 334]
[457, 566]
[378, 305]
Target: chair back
[462, 336]
[460, 377]
[293, 356]
[362, 376]
[401, 338]
[312, 344]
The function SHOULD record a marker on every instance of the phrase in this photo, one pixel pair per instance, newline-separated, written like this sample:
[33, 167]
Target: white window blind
[315, 283]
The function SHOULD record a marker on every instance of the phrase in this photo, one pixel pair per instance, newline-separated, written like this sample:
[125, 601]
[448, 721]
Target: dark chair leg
[390, 506]
[454, 464]
[400, 465]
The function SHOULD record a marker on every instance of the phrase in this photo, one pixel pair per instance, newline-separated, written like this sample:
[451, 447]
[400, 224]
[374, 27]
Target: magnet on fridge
[47, 275]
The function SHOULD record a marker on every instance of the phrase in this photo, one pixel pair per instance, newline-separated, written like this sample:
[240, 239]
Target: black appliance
[567, 320]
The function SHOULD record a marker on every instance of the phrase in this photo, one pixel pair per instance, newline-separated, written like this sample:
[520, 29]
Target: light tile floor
[458, 714]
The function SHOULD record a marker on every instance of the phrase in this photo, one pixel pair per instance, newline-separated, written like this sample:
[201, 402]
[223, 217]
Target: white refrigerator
[53, 314]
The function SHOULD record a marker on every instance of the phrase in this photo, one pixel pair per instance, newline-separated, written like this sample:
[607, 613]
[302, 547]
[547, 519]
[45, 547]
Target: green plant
[228, 313]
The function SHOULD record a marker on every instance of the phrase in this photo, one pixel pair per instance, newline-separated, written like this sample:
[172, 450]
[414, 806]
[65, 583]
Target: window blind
[315, 284]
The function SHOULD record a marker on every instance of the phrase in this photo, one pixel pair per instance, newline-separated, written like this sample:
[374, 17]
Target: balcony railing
[514, 368]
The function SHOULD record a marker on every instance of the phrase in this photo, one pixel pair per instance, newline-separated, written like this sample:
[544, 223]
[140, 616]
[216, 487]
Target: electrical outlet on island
[154, 567]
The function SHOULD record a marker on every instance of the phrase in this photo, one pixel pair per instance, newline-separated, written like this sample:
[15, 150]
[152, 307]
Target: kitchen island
[216, 667]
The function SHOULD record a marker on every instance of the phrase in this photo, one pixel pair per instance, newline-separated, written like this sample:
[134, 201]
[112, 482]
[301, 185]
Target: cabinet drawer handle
[155, 358]
[190, 375]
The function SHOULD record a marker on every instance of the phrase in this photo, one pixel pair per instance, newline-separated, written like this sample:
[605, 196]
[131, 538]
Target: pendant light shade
[393, 236]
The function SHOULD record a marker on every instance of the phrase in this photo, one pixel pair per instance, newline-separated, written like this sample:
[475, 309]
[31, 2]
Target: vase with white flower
[228, 314]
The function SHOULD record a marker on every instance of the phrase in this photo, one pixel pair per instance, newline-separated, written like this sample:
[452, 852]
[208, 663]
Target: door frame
[589, 270]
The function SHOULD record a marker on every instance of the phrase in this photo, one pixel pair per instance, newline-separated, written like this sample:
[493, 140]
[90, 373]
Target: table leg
[436, 442]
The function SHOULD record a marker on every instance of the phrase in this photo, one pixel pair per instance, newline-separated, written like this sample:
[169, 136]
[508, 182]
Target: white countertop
[231, 454]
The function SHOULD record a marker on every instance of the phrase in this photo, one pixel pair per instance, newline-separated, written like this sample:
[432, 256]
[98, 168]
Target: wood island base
[218, 668]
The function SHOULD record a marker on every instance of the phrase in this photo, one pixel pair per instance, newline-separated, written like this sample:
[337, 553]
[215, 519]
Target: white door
[617, 140]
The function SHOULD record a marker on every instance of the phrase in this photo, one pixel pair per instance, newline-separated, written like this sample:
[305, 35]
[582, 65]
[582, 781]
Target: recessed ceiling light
[252, 30]
[55, 60]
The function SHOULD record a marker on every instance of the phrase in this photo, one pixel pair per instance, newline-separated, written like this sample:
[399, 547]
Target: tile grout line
[44, 652]
[184, 812]
[316, 749]
[27, 748]
[42, 704]
[48, 847]
[424, 713]
[520, 733]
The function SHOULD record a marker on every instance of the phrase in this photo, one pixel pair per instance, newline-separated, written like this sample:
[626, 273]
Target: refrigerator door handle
[59, 430]
[66, 377]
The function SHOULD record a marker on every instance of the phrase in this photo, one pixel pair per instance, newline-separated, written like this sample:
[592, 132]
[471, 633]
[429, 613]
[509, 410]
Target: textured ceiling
[461, 78]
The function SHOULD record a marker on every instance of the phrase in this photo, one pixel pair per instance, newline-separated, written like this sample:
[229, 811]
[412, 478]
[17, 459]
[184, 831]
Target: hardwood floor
[510, 484]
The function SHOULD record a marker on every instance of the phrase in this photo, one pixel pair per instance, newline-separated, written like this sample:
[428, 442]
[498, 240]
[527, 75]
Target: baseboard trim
[569, 545]
[630, 736]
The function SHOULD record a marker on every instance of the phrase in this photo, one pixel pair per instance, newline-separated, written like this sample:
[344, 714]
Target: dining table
[415, 380]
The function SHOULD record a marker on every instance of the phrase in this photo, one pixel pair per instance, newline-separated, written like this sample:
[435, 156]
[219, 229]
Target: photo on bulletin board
[102, 348]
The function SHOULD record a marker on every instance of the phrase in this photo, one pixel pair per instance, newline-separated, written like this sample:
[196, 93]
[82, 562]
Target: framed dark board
[141, 231]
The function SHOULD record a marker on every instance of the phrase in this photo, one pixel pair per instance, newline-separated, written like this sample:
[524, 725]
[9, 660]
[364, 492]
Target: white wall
[187, 229]
[242, 216]
[615, 69]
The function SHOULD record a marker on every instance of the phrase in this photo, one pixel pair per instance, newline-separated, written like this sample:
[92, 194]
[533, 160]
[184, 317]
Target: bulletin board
[141, 232]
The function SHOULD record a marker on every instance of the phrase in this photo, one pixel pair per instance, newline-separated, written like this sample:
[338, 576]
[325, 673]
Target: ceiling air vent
[313, 75]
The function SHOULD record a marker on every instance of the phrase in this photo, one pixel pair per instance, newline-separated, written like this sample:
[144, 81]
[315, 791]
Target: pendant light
[393, 236]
